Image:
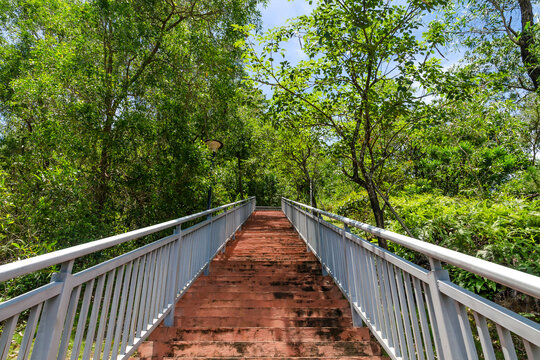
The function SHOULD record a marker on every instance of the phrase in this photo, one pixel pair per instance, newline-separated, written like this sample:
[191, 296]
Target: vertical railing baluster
[465, 325]
[445, 313]
[376, 294]
[70, 318]
[121, 311]
[433, 321]
[379, 286]
[113, 312]
[388, 305]
[397, 311]
[30, 330]
[363, 286]
[49, 332]
[104, 314]
[143, 306]
[129, 308]
[137, 313]
[7, 335]
[414, 319]
[96, 304]
[81, 323]
[485, 338]
[209, 249]
[507, 344]
[533, 351]
[173, 277]
[405, 313]
[426, 333]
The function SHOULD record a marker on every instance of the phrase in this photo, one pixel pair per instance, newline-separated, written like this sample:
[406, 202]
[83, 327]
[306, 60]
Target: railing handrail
[26, 266]
[515, 279]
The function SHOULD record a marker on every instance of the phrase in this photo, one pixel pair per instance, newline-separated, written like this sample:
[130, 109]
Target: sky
[276, 13]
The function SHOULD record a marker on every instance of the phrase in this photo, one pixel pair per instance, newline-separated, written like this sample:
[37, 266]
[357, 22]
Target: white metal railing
[106, 311]
[416, 313]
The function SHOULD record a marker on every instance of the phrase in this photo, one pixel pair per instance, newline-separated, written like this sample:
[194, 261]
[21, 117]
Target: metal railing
[106, 311]
[416, 313]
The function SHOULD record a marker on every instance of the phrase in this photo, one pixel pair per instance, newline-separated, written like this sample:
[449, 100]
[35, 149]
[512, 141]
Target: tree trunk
[102, 188]
[376, 208]
[312, 194]
[240, 185]
[529, 58]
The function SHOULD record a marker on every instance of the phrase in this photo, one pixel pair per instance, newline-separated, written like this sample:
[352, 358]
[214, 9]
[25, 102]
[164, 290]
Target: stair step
[273, 358]
[261, 281]
[239, 302]
[267, 311]
[263, 295]
[265, 288]
[243, 263]
[261, 322]
[270, 348]
[264, 334]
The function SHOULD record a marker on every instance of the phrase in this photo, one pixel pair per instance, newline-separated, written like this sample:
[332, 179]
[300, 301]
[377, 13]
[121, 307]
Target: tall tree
[356, 85]
[104, 105]
[502, 37]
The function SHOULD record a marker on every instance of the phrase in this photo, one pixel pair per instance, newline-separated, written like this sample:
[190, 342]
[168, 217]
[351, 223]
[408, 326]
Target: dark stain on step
[283, 295]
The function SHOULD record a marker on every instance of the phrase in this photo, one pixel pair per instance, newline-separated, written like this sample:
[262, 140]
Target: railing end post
[356, 319]
[324, 271]
[173, 279]
[51, 325]
[446, 317]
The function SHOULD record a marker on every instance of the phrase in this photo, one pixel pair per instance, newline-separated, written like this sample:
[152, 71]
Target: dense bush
[505, 231]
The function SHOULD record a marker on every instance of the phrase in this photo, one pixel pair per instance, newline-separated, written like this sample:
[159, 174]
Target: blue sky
[277, 12]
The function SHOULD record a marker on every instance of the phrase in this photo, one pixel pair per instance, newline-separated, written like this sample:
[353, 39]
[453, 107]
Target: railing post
[318, 235]
[322, 252]
[307, 230]
[209, 252]
[446, 317]
[54, 314]
[172, 280]
[357, 321]
[226, 231]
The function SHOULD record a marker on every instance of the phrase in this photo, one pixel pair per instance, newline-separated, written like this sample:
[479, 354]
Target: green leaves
[103, 105]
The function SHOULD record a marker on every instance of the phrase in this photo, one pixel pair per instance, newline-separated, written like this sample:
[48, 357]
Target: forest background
[105, 106]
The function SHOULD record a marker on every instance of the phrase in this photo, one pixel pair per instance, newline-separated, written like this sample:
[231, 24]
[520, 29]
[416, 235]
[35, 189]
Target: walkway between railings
[265, 298]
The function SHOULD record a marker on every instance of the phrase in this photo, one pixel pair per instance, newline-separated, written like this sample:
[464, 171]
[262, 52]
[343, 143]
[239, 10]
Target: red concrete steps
[265, 295]
[270, 349]
[278, 303]
[262, 280]
[287, 358]
[221, 321]
[265, 298]
[266, 333]
[261, 312]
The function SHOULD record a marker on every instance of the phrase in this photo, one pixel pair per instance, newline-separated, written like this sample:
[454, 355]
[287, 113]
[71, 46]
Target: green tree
[356, 86]
[104, 106]
[298, 157]
[469, 148]
[502, 38]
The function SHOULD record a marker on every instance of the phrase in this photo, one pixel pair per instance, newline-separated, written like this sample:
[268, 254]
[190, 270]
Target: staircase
[265, 298]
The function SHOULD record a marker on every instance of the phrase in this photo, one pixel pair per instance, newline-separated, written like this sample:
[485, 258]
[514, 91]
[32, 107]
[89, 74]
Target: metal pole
[446, 318]
[209, 203]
